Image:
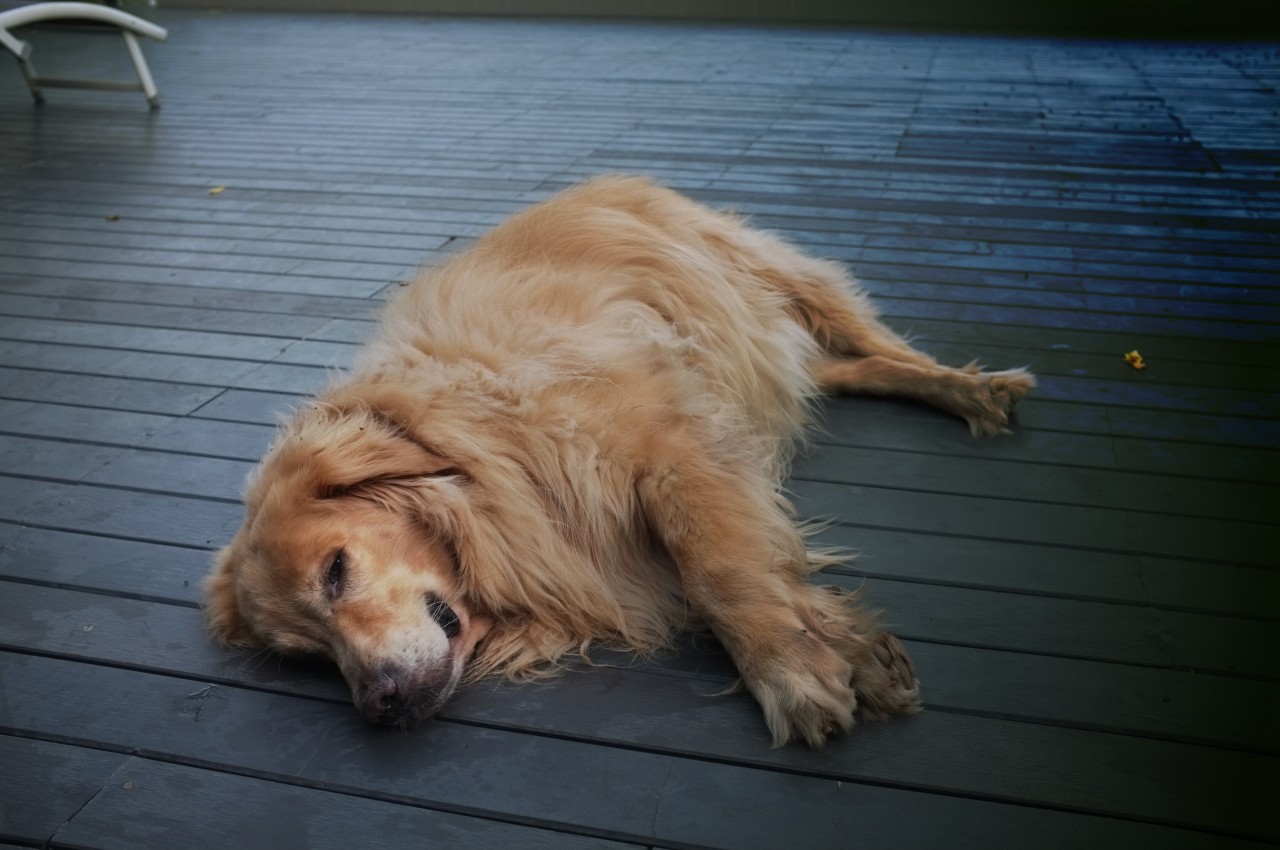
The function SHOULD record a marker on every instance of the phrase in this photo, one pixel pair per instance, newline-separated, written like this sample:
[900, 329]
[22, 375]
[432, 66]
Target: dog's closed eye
[336, 578]
[443, 615]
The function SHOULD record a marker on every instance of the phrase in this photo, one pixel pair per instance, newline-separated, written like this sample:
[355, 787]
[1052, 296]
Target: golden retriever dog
[575, 432]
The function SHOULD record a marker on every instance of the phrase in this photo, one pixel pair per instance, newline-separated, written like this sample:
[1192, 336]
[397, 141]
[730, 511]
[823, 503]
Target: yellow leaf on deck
[1134, 359]
[217, 190]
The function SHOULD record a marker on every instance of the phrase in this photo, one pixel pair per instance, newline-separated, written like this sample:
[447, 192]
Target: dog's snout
[400, 697]
[381, 698]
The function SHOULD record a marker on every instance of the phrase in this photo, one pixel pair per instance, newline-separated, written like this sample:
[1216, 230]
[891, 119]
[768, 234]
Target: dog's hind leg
[983, 399]
[808, 657]
[866, 356]
[829, 304]
[822, 297]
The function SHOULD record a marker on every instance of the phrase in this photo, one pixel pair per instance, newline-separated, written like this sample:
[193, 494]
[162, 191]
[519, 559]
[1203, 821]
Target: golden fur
[575, 432]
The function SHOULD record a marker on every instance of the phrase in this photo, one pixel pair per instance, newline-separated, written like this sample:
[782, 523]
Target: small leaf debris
[1134, 359]
[217, 190]
[113, 218]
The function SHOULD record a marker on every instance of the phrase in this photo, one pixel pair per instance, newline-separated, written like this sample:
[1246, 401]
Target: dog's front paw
[994, 396]
[887, 685]
[805, 692]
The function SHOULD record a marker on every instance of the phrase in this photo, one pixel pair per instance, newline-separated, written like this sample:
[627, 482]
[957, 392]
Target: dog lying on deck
[575, 432]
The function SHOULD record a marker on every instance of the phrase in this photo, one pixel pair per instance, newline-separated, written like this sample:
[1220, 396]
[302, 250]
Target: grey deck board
[1091, 602]
[211, 717]
[191, 807]
[44, 784]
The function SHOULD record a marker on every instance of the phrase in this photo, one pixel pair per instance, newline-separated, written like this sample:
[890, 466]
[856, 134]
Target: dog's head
[346, 551]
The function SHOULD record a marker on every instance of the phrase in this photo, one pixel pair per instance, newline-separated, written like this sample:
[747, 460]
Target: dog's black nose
[381, 698]
[399, 696]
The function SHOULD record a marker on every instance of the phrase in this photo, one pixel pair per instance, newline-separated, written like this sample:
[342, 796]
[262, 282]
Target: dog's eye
[443, 615]
[336, 577]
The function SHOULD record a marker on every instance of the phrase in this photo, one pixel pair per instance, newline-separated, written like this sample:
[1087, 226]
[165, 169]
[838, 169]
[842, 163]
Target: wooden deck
[1092, 602]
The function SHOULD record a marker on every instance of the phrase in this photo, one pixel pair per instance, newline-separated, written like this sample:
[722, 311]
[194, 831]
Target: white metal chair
[130, 25]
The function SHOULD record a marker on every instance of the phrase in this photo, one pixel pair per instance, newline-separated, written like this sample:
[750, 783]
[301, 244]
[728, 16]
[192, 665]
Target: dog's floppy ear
[222, 608]
[377, 455]
[356, 446]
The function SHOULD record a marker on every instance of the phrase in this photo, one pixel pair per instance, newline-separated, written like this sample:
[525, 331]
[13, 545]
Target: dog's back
[637, 295]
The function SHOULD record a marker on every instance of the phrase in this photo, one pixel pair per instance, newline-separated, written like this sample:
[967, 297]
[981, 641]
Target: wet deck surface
[1091, 602]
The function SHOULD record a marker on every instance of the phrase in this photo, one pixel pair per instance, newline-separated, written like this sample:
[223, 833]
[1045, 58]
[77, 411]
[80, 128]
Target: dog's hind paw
[993, 397]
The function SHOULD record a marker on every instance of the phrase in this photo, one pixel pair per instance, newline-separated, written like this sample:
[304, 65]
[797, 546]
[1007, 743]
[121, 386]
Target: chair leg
[21, 51]
[140, 65]
[33, 81]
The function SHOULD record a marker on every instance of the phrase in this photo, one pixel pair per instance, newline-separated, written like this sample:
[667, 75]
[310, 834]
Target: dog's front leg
[742, 562]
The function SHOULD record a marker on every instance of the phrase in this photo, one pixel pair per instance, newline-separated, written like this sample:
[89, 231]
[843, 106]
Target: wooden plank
[258, 244]
[335, 284]
[118, 567]
[1186, 585]
[159, 316]
[251, 406]
[1040, 482]
[70, 223]
[1144, 425]
[1131, 393]
[419, 226]
[137, 337]
[996, 222]
[1228, 352]
[1074, 629]
[44, 785]
[536, 779]
[1254, 375]
[159, 472]
[203, 297]
[125, 394]
[22, 253]
[1062, 525]
[203, 437]
[126, 514]
[1024, 277]
[144, 365]
[197, 808]
[1076, 434]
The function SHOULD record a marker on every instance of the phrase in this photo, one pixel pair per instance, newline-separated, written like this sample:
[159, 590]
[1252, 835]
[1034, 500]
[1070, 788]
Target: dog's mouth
[406, 694]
